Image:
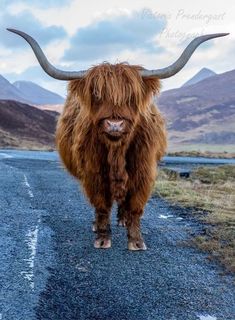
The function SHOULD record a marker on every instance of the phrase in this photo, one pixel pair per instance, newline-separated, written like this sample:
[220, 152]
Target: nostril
[115, 123]
[110, 123]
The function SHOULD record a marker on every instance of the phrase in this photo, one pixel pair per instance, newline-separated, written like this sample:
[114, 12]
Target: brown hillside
[24, 126]
[203, 112]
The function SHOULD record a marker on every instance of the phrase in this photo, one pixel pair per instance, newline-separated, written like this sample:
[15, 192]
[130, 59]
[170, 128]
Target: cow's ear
[152, 85]
[76, 87]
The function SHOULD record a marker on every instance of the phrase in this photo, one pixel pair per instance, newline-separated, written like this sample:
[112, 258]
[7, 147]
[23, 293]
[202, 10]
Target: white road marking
[31, 240]
[5, 155]
[26, 183]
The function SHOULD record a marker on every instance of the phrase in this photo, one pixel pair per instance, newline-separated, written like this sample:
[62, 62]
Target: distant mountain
[28, 92]
[36, 94]
[26, 127]
[201, 75]
[8, 91]
[203, 112]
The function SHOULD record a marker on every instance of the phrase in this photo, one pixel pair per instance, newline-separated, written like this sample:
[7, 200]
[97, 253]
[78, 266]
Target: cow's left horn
[183, 59]
[45, 64]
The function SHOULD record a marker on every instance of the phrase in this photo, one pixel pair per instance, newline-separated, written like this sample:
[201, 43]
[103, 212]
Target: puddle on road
[207, 317]
[5, 155]
[162, 216]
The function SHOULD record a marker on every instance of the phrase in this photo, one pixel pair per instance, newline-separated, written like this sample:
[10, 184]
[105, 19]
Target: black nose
[114, 126]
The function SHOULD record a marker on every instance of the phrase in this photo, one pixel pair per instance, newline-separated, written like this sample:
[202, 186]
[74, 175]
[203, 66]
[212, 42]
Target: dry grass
[211, 190]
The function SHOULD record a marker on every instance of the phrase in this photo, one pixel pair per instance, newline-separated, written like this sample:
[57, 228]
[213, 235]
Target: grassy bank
[204, 154]
[210, 190]
[200, 147]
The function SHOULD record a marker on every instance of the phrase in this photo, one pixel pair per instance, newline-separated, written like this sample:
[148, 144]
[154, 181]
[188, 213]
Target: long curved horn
[45, 64]
[183, 59]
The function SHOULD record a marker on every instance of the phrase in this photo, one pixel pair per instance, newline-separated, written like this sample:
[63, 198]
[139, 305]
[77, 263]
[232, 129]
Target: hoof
[136, 245]
[121, 223]
[94, 227]
[102, 243]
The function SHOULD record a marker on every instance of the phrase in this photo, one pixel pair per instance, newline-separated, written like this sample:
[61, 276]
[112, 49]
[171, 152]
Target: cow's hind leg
[102, 228]
[121, 216]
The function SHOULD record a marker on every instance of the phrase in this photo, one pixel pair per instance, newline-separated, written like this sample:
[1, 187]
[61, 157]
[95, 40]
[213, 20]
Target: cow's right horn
[45, 64]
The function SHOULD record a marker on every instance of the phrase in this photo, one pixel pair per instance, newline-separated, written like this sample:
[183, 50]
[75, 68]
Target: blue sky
[78, 34]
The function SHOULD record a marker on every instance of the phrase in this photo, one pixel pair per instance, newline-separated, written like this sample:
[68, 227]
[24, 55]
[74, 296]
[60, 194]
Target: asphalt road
[50, 270]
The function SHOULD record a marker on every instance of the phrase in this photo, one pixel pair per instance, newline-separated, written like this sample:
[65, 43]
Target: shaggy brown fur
[121, 170]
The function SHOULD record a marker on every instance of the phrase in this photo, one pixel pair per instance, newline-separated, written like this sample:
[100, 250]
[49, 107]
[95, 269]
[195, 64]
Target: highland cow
[110, 136]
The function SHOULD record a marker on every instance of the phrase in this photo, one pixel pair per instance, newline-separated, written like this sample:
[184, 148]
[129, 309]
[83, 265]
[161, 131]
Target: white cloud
[111, 35]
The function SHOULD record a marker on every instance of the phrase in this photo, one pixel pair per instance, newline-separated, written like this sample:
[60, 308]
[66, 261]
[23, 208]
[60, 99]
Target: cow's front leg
[135, 240]
[102, 228]
[129, 214]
